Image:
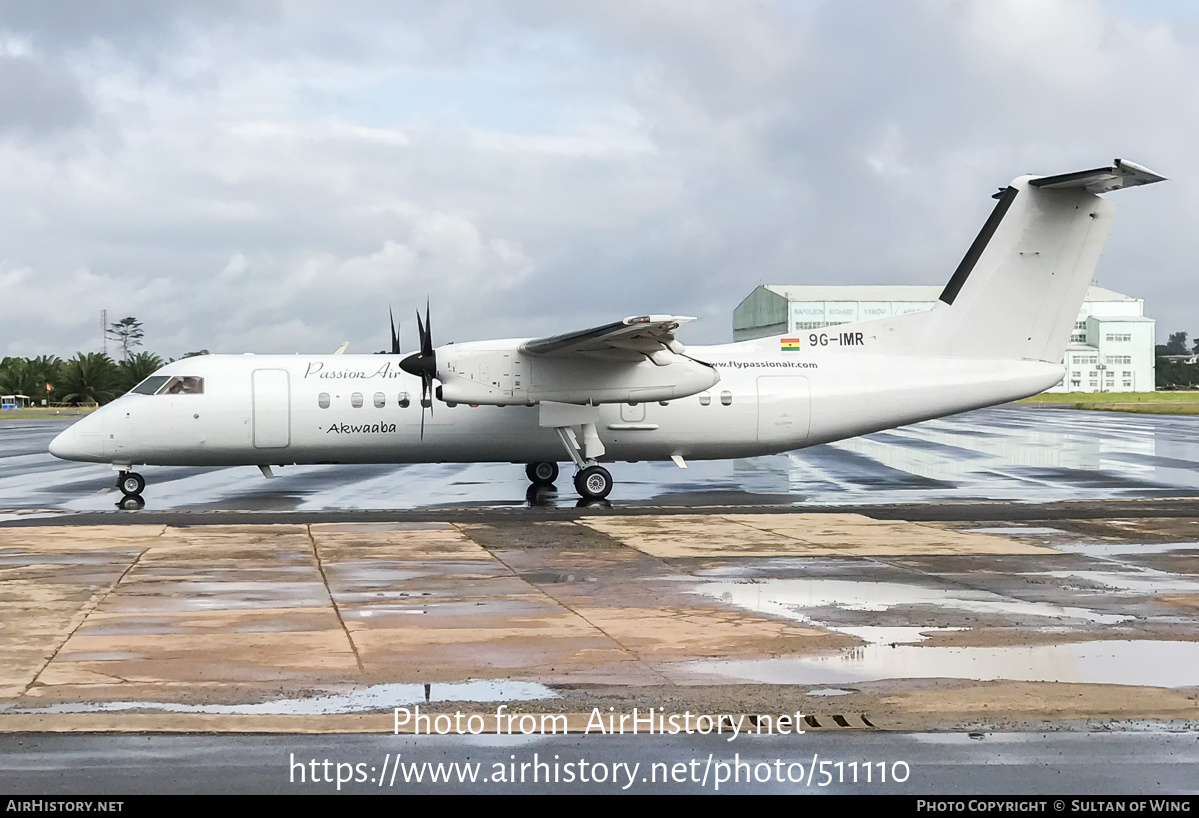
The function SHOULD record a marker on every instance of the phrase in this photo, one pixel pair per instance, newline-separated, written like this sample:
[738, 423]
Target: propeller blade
[423, 364]
[427, 338]
[395, 337]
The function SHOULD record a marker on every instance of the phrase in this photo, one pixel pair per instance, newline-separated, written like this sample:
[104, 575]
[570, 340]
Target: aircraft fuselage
[292, 409]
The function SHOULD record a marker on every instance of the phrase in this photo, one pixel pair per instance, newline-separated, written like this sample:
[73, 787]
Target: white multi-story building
[1110, 350]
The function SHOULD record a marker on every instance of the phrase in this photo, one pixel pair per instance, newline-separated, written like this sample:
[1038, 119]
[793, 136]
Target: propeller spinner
[423, 364]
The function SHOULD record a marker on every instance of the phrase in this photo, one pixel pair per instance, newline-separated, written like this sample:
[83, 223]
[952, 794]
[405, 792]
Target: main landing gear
[131, 485]
[542, 474]
[575, 426]
[592, 482]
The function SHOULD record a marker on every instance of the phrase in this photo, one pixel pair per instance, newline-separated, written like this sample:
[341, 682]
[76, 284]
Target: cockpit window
[150, 385]
[183, 385]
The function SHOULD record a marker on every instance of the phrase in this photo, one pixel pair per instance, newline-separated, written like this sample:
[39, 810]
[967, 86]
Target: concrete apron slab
[249, 613]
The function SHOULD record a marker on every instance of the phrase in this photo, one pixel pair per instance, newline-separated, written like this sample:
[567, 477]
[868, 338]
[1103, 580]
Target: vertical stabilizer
[1018, 290]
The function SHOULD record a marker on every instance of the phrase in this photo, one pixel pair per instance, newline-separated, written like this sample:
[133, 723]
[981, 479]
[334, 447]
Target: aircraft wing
[633, 339]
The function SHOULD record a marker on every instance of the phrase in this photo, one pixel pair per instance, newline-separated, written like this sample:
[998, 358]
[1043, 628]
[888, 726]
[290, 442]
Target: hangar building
[1110, 350]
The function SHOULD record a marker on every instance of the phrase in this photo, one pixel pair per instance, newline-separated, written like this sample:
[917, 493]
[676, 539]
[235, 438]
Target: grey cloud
[37, 98]
[538, 166]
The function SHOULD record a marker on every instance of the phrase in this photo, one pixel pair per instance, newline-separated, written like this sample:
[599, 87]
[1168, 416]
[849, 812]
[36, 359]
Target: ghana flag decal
[789, 344]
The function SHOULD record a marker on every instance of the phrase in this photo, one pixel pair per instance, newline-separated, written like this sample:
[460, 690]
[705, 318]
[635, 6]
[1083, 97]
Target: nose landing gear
[131, 485]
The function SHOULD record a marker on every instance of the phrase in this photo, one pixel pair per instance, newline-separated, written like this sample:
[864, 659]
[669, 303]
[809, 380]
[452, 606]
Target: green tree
[89, 377]
[29, 376]
[1177, 345]
[128, 333]
[136, 368]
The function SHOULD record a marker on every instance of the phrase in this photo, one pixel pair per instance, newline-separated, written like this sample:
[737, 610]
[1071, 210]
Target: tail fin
[1018, 290]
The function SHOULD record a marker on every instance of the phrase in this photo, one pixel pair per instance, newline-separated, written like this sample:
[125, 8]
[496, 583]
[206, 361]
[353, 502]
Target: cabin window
[322, 400]
[404, 401]
[181, 385]
[150, 385]
[726, 398]
[356, 400]
[705, 399]
[380, 400]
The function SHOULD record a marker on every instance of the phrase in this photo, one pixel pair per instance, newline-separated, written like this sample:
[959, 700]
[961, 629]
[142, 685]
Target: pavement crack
[84, 613]
[636, 657]
[320, 566]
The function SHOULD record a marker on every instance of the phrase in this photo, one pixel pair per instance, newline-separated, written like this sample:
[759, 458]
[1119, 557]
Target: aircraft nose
[73, 444]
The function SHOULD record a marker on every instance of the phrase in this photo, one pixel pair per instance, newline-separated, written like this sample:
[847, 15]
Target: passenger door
[272, 408]
[784, 408]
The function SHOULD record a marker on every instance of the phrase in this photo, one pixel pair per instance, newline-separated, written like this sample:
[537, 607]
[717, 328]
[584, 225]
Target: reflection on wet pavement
[1021, 454]
[374, 698]
[800, 598]
[1156, 664]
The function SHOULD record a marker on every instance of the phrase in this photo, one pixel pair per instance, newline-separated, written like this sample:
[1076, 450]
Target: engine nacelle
[498, 373]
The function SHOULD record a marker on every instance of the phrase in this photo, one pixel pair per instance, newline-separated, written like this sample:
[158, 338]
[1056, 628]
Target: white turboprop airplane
[630, 391]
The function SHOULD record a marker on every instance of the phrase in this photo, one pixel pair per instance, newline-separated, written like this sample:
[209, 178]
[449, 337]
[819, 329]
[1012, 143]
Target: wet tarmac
[1153, 764]
[149, 627]
[1018, 454]
[1042, 573]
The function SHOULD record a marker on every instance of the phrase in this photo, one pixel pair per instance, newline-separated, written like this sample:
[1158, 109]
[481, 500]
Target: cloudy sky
[269, 177]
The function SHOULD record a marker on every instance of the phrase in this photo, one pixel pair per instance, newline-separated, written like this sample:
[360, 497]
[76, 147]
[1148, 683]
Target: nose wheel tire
[131, 483]
[542, 474]
[593, 483]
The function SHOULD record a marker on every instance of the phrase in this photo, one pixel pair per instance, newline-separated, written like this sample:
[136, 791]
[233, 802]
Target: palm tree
[28, 376]
[136, 368]
[89, 377]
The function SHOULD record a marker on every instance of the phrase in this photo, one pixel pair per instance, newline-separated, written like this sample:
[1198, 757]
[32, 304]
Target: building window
[1080, 325]
[1078, 338]
[356, 400]
[380, 400]
[1119, 336]
[1119, 359]
[726, 398]
[322, 400]
[404, 402]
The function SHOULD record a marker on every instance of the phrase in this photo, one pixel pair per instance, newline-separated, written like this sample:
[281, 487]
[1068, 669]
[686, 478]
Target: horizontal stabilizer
[1101, 180]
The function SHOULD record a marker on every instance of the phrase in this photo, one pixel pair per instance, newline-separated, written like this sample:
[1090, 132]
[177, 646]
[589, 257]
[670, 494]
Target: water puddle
[1141, 663]
[1133, 581]
[900, 635]
[1016, 531]
[1121, 549]
[792, 598]
[28, 515]
[382, 697]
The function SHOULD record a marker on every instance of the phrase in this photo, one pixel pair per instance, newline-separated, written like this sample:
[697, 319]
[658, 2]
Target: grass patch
[1145, 403]
[45, 412]
[1114, 397]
